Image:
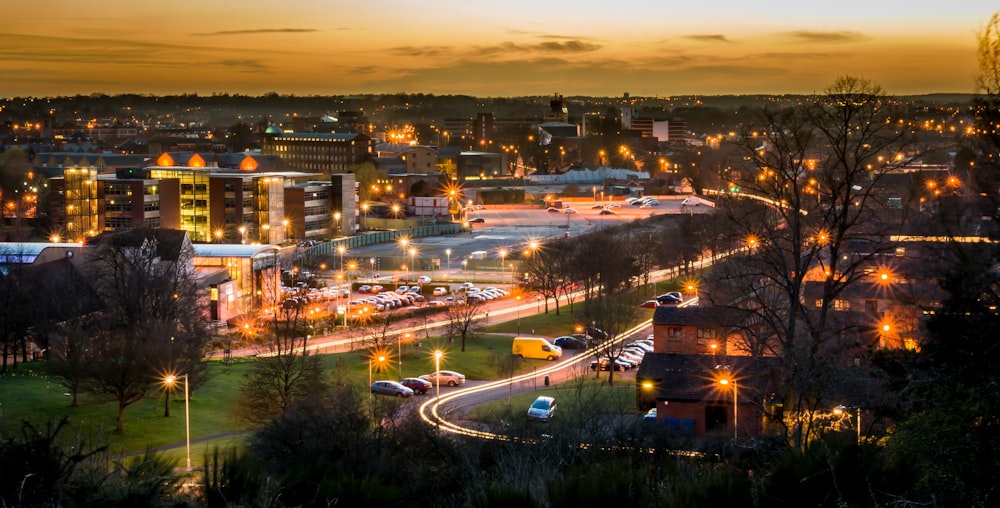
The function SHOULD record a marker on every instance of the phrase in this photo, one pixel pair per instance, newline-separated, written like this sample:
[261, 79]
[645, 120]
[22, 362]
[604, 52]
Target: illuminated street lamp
[437, 374]
[399, 352]
[447, 255]
[843, 410]
[725, 382]
[336, 217]
[169, 381]
[381, 360]
[503, 256]
[413, 251]
[243, 234]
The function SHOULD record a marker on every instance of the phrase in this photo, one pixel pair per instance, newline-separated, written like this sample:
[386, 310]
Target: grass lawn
[577, 400]
[30, 394]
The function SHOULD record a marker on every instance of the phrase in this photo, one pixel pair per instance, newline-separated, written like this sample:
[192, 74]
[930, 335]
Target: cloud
[708, 38]
[811, 36]
[421, 51]
[243, 65]
[257, 31]
[547, 47]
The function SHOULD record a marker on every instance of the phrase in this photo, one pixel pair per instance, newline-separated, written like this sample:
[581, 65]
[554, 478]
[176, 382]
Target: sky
[500, 48]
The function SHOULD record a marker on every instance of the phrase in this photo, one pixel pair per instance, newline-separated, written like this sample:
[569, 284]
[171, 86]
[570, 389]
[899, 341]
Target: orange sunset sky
[500, 48]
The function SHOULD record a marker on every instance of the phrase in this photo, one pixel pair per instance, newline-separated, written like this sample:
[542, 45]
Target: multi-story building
[325, 153]
[211, 205]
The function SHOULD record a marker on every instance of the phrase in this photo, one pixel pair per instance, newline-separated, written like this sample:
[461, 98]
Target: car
[567, 342]
[440, 291]
[668, 298]
[391, 388]
[419, 386]
[606, 212]
[364, 288]
[645, 205]
[436, 303]
[650, 417]
[631, 200]
[552, 209]
[596, 207]
[605, 365]
[477, 220]
[542, 409]
[423, 279]
[401, 289]
[633, 357]
[613, 205]
[650, 304]
[467, 285]
[445, 377]
[569, 210]
[377, 289]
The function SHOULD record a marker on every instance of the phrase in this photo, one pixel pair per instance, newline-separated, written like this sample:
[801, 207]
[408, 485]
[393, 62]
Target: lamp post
[336, 217]
[724, 382]
[412, 252]
[447, 255]
[399, 353]
[465, 263]
[503, 256]
[842, 410]
[170, 380]
[243, 234]
[284, 224]
[381, 358]
[341, 250]
[437, 374]
[364, 211]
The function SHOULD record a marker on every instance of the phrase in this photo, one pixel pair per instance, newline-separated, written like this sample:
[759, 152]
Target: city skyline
[516, 48]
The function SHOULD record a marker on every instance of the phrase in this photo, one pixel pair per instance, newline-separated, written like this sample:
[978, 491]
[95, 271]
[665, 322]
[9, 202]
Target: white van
[535, 347]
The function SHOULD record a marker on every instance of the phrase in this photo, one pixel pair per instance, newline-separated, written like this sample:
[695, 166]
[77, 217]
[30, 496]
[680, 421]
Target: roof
[696, 315]
[169, 242]
[687, 377]
[320, 136]
[231, 250]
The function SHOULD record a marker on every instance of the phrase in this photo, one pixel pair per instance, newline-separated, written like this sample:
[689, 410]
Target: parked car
[477, 220]
[650, 304]
[650, 417]
[391, 388]
[569, 210]
[542, 409]
[419, 386]
[377, 289]
[567, 342]
[436, 303]
[364, 288]
[440, 291]
[669, 298]
[607, 212]
[552, 209]
[424, 279]
[401, 289]
[604, 364]
[445, 377]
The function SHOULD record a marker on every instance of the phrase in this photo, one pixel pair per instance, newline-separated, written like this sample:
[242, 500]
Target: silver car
[445, 377]
[391, 388]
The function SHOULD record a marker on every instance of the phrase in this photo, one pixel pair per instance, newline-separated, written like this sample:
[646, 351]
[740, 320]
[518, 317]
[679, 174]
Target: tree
[283, 374]
[366, 175]
[614, 314]
[145, 281]
[461, 316]
[816, 173]
[546, 271]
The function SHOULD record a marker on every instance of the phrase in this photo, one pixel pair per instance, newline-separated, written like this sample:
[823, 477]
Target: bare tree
[546, 271]
[145, 281]
[614, 314]
[815, 172]
[461, 316]
[283, 374]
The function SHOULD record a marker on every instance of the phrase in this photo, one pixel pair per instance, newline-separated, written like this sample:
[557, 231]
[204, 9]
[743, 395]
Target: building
[325, 153]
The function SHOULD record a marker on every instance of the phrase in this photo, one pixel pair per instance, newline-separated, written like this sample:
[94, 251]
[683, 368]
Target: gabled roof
[692, 378]
[696, 315]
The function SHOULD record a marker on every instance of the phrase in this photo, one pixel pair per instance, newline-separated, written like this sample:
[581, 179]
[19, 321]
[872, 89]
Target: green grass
[577, 400]
[30, 394]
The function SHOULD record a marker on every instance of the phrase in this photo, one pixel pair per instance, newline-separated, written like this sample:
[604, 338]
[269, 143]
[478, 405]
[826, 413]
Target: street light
[724, 382]
[412, 252]
[399, 353]
[381, 359]
[341, 250]
[243, 234]
[437, 373]
[842, 410]
[336, 217]
[170, 380]
[447, 255]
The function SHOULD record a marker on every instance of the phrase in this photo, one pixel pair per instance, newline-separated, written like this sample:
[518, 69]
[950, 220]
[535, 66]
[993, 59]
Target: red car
[419, 386]
[649, 304]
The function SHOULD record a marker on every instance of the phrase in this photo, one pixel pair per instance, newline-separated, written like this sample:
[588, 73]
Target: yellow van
[535, 347]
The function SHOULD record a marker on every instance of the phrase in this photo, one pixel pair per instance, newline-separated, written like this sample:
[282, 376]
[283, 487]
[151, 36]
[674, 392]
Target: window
[675, 333]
